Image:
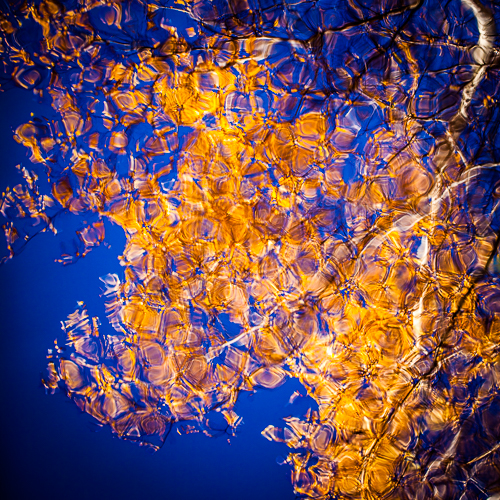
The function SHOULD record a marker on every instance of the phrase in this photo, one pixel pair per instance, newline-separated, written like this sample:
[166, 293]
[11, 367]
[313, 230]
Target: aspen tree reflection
[308, 190]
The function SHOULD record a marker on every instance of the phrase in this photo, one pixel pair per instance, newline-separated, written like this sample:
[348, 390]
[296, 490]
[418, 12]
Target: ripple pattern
[307, 189]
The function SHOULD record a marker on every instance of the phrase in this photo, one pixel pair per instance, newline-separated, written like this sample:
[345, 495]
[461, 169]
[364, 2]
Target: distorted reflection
[307, 189]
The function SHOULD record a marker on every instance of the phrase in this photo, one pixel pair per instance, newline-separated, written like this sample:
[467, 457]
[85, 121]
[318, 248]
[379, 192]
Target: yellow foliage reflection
[284, 218]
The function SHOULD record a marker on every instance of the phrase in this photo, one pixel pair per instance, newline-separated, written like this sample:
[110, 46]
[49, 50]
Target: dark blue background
[51, 449]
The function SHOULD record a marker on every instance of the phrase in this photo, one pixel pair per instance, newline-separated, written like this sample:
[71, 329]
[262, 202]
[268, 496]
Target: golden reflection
[281, 220]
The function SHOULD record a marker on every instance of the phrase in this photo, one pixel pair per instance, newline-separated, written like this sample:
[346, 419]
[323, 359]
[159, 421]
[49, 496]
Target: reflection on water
[308, 190]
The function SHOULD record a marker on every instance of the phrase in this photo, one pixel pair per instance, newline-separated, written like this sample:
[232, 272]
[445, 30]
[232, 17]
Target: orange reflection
[276, 227]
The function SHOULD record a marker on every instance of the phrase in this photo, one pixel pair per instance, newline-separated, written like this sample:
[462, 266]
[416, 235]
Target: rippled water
[307, 190]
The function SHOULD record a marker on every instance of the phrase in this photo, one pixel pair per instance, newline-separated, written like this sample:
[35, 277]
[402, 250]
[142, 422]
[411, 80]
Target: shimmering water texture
[308, 190]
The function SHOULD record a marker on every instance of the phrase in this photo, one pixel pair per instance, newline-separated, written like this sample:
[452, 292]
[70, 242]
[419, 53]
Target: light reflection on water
[306, 192]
